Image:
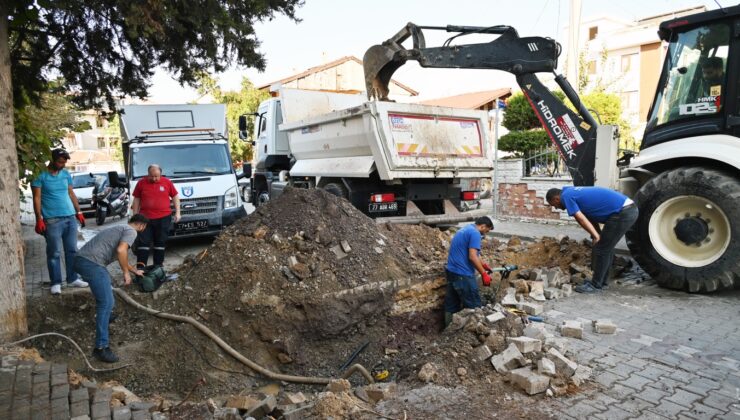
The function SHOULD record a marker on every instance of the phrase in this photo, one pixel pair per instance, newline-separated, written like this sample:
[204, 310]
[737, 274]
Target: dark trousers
[602, 254]
[153, 239]
[462, 292]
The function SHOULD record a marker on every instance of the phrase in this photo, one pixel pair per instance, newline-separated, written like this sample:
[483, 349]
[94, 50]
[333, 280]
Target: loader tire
[688, 233]
[337, 189]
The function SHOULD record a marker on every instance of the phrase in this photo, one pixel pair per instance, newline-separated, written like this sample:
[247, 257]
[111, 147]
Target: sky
[330, 29]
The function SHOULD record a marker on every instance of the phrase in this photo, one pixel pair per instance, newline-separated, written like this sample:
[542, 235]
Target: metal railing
[545, 162]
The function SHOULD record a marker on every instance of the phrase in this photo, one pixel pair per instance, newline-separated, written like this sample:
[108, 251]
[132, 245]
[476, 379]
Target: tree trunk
[12, 277]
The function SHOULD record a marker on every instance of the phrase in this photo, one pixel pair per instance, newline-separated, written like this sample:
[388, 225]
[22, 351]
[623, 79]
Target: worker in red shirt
[152, 199]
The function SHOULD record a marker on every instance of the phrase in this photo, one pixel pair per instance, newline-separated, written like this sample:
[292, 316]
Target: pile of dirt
[296, 286]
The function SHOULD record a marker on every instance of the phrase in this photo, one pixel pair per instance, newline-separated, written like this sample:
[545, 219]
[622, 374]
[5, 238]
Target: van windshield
[182, 160]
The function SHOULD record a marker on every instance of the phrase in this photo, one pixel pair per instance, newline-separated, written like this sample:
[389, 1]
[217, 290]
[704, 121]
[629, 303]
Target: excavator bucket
[380, 62]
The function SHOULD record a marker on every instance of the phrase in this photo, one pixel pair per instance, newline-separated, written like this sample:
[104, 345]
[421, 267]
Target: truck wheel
[337, 189]
[689, 221]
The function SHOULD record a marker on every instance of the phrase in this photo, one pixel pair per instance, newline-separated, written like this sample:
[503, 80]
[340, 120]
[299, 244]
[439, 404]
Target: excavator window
[694, 75]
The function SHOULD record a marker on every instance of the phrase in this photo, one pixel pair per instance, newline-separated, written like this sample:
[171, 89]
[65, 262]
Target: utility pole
[574, 30]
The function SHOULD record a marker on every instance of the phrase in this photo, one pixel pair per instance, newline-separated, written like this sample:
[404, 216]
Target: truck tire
[688, 231]
[337, 189]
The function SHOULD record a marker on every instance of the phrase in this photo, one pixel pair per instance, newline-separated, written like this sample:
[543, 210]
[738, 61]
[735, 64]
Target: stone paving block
[545, 366]
[482, 353]
[526, 344]
[719, 401]
[667, 409]
[7, 377]
[613, 413]
[41, 390]
[57, 368]
[563, 365]
[636, 382]
[79, 394]
[571, 328]
[604, 326]
[122, 413]
[100, 410]
[43, 367]
[581, 410]
[104, 394]
[607, 379]
[9, 361]
[666, 384]
[623, 370]
[508, 359]
[530, 308]
[22, 412]
[60, 409]
[60, 391]
[700, 411]
[684, 398]
[530, 381]
[79, 408]
[59, 378]
[140, 415]
[620, 392]
[701, 386]
[634, 405]
[652, 395]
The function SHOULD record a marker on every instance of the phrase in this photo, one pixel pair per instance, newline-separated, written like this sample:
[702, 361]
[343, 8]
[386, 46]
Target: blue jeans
[61, 232]
[462, 292]
[100, 285]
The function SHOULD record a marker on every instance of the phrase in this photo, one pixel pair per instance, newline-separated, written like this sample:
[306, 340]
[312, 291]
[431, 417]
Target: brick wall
[524, 197]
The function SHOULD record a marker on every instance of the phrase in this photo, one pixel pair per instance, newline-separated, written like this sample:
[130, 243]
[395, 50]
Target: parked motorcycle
[109, 201]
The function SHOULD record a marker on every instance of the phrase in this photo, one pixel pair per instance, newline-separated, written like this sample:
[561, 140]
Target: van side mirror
[247, 170]
[115, 181]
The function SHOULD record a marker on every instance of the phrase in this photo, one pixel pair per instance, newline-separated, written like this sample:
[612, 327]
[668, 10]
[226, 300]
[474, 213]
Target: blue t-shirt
[597, 203]
[458, 261]
[55, 201]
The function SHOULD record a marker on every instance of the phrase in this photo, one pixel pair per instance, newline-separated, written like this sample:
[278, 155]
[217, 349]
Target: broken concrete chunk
[604, 326]
[573, 329]
[241, 402]
[566, 290]
[537, 291]
[551, 293]
[526, 344]
[530, 308]
[338, 385]
[459, 321]
[508, 359]
[291, 398]
[563, 365]
[530, 381]
[495, 317]
[381, 391]
[537, 330]
[226, 413]
[378, 250]
[558, 343]
[521, 286]
[510, 298]
[264, 407]
[546, 366]
[582, 374]
[482, 353]
[428, 373]
[338, 252]
[345, 247]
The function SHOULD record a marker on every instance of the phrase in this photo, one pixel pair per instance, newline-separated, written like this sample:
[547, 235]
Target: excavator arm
[573, 133]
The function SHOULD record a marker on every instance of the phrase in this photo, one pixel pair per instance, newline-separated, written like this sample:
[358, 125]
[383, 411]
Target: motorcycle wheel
[100, 214]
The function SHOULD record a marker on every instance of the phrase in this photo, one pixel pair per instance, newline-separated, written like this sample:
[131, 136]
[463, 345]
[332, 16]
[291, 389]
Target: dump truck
[685, 179]
[190, 144]
[396, 162]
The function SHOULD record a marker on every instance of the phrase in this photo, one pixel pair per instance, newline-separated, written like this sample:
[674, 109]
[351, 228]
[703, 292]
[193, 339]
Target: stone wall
[524, 197]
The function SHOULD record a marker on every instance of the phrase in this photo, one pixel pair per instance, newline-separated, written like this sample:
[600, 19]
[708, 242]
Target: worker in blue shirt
[592, 206]
[57, 214]
[462, 263]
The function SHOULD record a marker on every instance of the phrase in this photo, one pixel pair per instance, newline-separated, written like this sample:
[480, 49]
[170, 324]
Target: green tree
[113, 129]
[242, 102]
[523, 142]
[103, 50]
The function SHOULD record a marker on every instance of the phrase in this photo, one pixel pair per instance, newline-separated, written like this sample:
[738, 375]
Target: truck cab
[189, 143]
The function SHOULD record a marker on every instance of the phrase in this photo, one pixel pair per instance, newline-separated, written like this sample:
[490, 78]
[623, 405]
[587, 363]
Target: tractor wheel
[336, 188]
[688, 232]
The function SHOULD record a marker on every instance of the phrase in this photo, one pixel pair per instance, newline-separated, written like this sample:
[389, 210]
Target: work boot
[105, 355]
[586, 287]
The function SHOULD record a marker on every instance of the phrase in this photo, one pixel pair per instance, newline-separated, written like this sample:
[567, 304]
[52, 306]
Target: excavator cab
[693, 95]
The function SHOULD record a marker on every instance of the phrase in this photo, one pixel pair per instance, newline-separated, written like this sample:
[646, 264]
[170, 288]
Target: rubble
[537, 330]
[530, 308]
[510, 298]
[581, 375]
[545, 366]
[537, 291]
[241, 402]
[263, 408]
[572, 329]
[530, 381]
[509, 359]
[482, 353]
[566, 290]
[604, 326]
[338, 385]
[551, 293]
[495, 317]
[381, 391]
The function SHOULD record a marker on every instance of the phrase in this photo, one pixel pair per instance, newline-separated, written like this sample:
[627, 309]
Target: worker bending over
[462, 263]
[591, 206]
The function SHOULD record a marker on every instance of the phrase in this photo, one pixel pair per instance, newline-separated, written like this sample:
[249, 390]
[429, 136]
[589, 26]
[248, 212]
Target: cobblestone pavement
[675, 355]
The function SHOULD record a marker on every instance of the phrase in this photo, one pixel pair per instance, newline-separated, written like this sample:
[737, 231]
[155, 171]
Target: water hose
[356, 368]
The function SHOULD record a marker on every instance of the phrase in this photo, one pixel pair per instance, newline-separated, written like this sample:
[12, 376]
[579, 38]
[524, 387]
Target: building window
[593, 32]
[113, 142]
[101, 143]
[592, 67]
[629, 62]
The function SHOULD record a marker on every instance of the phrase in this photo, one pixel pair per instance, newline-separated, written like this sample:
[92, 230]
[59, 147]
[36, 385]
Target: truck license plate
[381, 207]
[191, 225]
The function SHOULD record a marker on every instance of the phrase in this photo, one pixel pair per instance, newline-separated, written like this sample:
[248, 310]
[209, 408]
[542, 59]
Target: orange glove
[40, 226]
[81, 219]
[486, 279]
